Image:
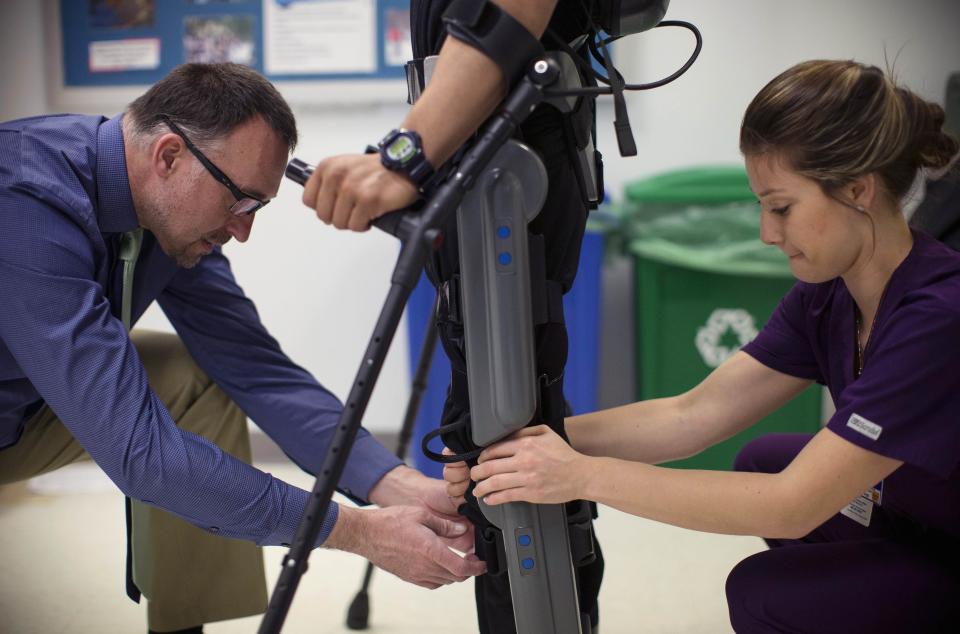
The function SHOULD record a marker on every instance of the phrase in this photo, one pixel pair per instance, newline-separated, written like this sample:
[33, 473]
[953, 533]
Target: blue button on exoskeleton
[524, 540]
[505, 258]
[527, 563]
[503, 231]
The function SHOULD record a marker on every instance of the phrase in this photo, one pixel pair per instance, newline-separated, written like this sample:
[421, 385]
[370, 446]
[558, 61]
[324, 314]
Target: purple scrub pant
[843, 577]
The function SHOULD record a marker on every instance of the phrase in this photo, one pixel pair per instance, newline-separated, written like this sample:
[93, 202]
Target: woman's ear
[864, 191]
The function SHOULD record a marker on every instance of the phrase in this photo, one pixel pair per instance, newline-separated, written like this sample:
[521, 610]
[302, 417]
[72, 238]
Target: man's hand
[532, 465]
[407, 486]
[405, 541]
[352, 190]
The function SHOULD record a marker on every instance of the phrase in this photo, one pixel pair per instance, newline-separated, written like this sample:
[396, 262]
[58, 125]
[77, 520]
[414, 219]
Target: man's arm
[222, 330]
[57, 324]
[350, 191]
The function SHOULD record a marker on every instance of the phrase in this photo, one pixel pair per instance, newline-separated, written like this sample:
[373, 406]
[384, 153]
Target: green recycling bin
[704, 286]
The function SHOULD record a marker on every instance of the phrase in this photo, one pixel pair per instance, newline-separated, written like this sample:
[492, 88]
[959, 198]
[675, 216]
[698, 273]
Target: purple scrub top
[906, 404]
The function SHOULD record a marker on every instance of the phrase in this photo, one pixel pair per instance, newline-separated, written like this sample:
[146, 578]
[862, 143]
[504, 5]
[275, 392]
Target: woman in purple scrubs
[863, 518]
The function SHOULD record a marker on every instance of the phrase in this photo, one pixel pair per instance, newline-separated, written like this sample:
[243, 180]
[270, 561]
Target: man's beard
[181, 255]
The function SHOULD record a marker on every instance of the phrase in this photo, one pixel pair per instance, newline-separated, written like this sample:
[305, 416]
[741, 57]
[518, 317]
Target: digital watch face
[401, 149]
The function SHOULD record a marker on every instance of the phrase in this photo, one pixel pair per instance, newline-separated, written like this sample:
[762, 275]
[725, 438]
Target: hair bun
[930, 146]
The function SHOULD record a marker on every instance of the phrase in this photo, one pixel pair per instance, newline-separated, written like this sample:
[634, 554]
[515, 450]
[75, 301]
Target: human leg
[874, 586]
[188, 575]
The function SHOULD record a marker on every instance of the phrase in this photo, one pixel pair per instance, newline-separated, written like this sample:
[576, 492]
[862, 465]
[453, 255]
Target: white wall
[319, 291]
[697, 118]
[22, 85]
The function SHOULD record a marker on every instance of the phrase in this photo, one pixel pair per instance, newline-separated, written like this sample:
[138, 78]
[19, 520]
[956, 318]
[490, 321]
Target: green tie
[129, 250]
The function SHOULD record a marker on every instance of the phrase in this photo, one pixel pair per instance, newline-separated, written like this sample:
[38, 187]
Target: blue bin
[581, 308]
[419, 318]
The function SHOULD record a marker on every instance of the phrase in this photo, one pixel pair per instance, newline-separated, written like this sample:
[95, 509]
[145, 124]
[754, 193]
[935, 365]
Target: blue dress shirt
[64, 202]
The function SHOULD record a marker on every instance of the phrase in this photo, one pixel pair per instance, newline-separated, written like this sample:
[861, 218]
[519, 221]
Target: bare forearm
[401, 485]
[467, 86]
[465, 89]
[731, 503]
[736, 395]
[349, 533]
[649, 431]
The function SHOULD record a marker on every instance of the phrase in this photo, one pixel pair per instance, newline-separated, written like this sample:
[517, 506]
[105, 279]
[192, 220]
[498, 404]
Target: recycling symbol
[725, 332]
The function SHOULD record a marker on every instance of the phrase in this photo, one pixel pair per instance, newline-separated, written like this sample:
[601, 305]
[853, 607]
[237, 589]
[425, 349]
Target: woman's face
[822, 237]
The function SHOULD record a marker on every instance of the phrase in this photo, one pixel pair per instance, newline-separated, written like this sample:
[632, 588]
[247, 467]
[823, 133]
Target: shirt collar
[115, 212]
[902, 280]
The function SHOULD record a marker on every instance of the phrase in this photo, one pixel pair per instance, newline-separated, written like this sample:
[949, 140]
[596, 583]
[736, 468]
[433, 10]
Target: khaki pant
[188, 576]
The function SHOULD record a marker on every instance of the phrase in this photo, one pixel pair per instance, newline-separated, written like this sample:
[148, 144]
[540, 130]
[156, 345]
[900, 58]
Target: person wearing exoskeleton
[490, 49]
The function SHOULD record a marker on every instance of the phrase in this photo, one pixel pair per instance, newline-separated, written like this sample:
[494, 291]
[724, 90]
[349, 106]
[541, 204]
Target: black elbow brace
[495, 33]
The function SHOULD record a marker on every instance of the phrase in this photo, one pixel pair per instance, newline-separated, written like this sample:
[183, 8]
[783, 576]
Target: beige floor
[61, 563]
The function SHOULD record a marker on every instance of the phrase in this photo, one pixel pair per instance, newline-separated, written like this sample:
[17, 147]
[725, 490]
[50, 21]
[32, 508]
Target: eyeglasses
[246, 204]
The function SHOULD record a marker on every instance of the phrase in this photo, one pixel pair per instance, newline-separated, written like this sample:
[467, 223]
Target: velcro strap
[414, 72]
[546, 296]
[552, 405]
[579, 520]
[492, 551]
[448, 304]
[495, 33]
[554, 302]
[489, 540]
[582, 550]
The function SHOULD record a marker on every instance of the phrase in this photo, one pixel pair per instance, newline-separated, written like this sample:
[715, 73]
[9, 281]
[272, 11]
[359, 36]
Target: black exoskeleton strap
[546, 295]
[495, 33]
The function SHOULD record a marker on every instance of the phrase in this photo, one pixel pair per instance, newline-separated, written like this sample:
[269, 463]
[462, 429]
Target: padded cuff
[496, 34]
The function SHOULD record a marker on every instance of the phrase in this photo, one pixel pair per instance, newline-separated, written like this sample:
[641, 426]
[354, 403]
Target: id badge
[861, 509]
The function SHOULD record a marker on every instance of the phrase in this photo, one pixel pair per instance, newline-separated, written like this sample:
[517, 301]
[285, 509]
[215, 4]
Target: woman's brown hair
[836, 120]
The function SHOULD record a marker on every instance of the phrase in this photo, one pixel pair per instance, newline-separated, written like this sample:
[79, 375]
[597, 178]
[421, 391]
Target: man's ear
[167, 154]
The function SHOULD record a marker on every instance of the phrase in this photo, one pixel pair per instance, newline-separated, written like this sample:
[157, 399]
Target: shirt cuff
[293, 511]
[369, 462]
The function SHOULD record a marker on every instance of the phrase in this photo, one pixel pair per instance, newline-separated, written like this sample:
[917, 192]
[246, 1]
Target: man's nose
[239, 227]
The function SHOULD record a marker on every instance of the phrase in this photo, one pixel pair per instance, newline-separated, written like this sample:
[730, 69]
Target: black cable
[607, 90]
[444, 429]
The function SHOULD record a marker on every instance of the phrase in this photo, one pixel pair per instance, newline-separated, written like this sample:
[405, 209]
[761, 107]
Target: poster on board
[333, 36]
[136, 42]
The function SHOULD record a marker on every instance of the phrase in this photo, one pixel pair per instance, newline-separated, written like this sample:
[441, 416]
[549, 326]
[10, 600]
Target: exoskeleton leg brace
[502, 377]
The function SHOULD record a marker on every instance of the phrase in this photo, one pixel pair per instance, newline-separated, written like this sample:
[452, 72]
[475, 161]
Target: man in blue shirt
[165, 416]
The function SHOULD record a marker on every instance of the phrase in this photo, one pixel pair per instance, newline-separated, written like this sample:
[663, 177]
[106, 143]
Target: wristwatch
[402, 151]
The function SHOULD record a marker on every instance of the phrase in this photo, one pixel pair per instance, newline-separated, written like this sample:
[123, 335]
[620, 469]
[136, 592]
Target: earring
[861, 208]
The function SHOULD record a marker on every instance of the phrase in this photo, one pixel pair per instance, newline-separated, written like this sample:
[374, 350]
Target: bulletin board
[115, 43]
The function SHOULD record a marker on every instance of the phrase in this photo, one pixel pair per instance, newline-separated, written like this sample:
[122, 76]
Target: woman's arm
[537, 466]
[733, 397]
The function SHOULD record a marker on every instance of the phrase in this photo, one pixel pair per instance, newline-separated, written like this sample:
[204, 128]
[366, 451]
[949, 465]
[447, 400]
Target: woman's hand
[533, 465]
[457, 477]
